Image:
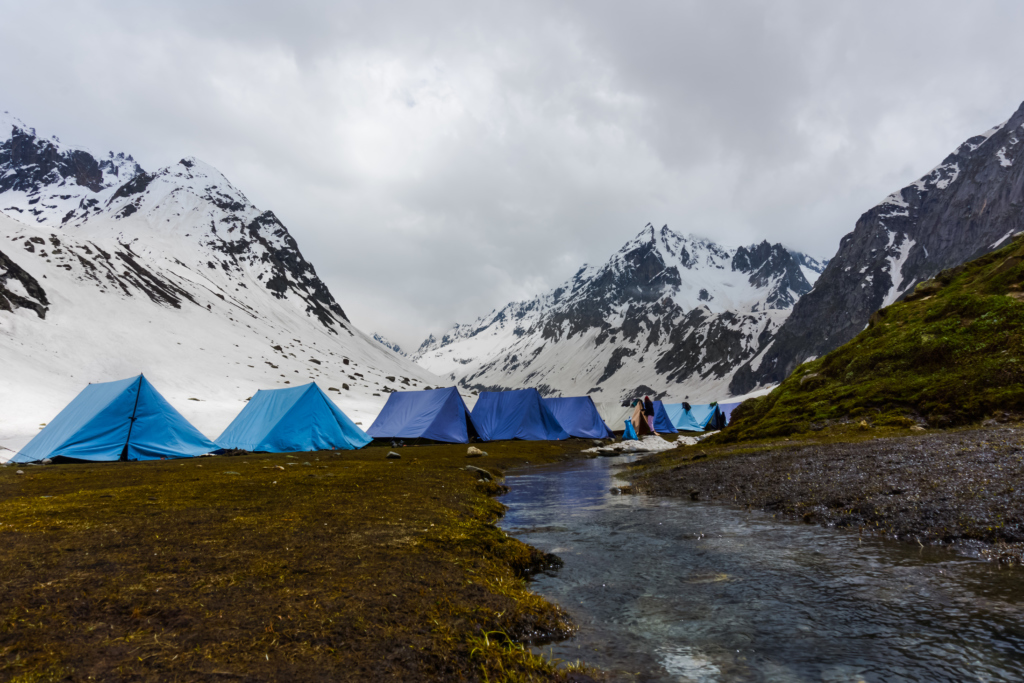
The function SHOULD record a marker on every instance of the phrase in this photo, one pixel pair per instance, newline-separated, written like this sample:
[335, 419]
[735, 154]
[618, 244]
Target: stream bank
[962, 488]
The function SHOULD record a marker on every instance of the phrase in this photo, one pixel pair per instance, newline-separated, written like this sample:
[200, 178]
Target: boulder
[481, 474]
[393, 456]
[474, 452]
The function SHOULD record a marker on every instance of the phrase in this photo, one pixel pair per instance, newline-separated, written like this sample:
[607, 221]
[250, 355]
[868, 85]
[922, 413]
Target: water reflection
[672, 590]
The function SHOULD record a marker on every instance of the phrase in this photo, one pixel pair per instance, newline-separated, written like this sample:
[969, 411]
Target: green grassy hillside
[951, 354]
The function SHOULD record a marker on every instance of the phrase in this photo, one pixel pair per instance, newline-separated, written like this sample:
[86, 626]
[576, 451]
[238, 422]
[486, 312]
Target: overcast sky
[435, 160]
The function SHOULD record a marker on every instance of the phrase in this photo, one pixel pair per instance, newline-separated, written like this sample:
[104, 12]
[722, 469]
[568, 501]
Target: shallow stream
[665, 589]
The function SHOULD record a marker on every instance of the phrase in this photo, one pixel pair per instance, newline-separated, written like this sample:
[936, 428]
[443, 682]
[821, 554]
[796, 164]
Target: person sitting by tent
[640, 424]
[649, 413]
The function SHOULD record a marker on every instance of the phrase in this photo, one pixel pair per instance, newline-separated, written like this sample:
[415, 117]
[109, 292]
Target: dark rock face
[14, 279]
[967, 206]
[32, 162]
[42, 171]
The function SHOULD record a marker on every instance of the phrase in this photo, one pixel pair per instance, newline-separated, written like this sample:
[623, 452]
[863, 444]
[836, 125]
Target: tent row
[129, 420]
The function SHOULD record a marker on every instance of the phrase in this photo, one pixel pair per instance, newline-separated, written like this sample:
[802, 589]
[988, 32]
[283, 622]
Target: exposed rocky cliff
[968, 205]
[667, 315]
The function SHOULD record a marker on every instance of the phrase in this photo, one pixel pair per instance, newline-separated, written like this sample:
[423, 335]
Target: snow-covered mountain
[388, 344]
[966, 206]
[667, 315]
[107, 270]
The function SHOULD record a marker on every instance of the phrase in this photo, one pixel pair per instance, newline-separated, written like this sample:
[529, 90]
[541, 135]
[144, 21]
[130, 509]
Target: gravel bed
[962, 488]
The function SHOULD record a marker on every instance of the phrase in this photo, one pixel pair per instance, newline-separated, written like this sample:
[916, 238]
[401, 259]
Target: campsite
[647, 342]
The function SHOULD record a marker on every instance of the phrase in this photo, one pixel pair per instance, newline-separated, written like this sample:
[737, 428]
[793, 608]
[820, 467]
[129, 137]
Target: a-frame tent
[437, 414]
[299, 418]
[126, 419]
[519, 414]
[578, 416]
[682, 418]
[662, 423]
[708, 415]
[696, 418]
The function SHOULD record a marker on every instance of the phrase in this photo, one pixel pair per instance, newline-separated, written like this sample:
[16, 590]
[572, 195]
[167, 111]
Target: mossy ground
[952, 354]
[350, 567]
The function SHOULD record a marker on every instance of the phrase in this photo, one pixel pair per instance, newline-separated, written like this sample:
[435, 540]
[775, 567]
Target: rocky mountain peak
[968, 205]
[665, 306]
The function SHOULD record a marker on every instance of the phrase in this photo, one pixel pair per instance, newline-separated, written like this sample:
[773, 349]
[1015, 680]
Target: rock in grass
[20, 472]
[393, 456]
[481, 474]
[474, 452]
[229, 472]
[47, 461]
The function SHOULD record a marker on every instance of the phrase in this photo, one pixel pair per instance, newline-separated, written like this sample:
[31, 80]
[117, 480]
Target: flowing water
[674, 590]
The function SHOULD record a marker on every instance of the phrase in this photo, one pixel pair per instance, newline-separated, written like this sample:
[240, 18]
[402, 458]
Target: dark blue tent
[579, 417]
[438, 414]
[127, 419]
[662, 423]
[300, 418]
[521, 414]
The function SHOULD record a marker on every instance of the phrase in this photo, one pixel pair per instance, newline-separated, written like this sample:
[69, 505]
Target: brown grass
[341, 566]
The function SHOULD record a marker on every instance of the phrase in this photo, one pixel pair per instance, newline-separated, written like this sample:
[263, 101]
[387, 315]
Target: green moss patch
[311, 566]
[951, 354]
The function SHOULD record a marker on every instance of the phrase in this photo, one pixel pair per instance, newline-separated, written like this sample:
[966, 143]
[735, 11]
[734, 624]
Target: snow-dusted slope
[668, 315]
[107, 271]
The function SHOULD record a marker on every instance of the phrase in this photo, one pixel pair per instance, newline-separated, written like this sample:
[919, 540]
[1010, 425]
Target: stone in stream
[474, 452]
[481, 474]
[393, 456]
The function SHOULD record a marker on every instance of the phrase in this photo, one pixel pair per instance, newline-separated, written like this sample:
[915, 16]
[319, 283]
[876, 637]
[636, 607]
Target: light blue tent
[300, 418]
[727, 409]
[698, 418]
[682, 418]
[579, 417]
[437, 414]
[708, 415]
[520, 414]
[123, 420]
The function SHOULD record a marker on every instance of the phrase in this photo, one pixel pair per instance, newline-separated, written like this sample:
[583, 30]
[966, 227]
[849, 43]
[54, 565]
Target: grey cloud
[435, 160]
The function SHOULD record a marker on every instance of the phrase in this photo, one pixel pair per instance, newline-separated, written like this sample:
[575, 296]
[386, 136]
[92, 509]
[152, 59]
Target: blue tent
[579, 417]
[521, 414]
[682, 418]
[727, 409]
[699, 417]
[708, 415]
[662, 423]
[127, 419]
[438, 414]
[300, 418]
